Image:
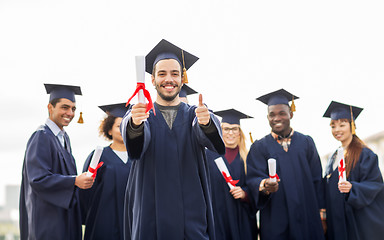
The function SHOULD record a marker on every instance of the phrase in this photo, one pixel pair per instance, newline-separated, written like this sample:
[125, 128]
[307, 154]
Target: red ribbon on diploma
[341, 169]
[141, 86]
[275, 176]
[229, 179]
[94, 170]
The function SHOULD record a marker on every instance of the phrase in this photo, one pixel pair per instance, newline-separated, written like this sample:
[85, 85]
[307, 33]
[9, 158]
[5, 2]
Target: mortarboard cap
[167, 50]
[186, 90]
[278, 97]
[338, 110]
[116, 110]
[62, 91]
[231, 116]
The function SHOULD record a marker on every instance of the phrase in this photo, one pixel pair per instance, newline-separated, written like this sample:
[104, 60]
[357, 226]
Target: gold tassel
[293, 107]
[250, 137]
[81, 121]
[185, 78]
[353, 126]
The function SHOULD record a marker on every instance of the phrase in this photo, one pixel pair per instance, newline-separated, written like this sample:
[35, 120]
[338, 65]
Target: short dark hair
[55, 101]
[106, 125]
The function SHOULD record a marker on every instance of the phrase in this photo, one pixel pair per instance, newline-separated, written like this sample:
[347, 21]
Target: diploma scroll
[341, 164]
[140, 76]
[94, 165]
[272, 170]
[224, 171]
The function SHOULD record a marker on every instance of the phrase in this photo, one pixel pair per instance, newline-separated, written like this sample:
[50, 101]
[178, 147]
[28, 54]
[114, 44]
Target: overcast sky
[317, 50]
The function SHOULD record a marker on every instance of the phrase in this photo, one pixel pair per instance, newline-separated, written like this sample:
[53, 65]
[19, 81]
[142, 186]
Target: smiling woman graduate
[235, 216]
[355, 207]
[102, 206]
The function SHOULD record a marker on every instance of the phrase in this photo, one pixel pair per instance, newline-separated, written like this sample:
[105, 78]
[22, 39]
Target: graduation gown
[168, 192]
[234, 218]
[293, 211]
[359, 214]
[102, 206]
[49, 204]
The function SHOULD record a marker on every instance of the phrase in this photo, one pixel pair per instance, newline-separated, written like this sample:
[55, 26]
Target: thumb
[201, 100]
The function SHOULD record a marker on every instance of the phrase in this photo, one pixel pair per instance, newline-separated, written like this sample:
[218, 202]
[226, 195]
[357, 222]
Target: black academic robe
[168, 191]
[102, 206]
[234, 218]
[293, 211]
[359, 214]
[49, 204]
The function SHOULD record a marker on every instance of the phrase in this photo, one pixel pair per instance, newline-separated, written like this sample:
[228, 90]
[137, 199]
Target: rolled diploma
[341, 163]
[95, 159]
[140, 75]
[223, 168]
[272, 169]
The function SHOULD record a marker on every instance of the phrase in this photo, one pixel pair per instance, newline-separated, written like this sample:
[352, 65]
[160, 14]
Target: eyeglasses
[235, 130]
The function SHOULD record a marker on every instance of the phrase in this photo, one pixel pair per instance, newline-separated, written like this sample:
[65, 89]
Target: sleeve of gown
[210, 139]
[370, 182]
[135, 146]
[256, 171]
[86, 195]
[54, 188]
[316, 171]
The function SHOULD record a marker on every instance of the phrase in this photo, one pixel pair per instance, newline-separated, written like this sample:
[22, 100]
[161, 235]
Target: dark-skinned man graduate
[289, 208]
[168, 190]
[49, 200]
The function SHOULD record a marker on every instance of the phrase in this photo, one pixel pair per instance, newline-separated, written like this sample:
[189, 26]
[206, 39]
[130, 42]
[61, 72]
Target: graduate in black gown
[289, 209]
[355, 207]
[102, 206]
[168, 192]
[234, 215]
[49, 201]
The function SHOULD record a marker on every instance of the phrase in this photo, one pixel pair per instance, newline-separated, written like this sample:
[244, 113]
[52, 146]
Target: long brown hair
[353, 152]
[243, 150]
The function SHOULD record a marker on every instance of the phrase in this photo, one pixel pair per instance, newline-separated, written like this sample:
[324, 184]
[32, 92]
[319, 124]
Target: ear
[153, 80]
[291, 114]
[50, 107]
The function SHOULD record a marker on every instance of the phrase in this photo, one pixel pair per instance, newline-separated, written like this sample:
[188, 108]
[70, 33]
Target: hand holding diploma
[202, 113]
[271, 185]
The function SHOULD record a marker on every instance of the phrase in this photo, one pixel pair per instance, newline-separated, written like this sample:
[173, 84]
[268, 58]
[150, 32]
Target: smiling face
[62, 113]
[167, 81]
[279, 117]
[341, 131]
[231, 134]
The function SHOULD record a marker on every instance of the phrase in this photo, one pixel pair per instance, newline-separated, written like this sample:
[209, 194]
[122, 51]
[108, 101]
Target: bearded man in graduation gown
[49, 203]
[168, 189]
[289, 208]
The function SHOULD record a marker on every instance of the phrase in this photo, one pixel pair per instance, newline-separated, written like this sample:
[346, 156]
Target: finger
[201, 100]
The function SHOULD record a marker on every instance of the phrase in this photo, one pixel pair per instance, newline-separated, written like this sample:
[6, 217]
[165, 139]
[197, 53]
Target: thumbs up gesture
[202, 112]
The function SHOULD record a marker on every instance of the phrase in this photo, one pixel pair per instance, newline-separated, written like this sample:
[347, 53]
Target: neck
[163, 102]
[285, 133]
[117, 146]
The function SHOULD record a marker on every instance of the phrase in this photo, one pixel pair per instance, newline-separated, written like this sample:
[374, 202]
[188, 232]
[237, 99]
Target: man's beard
[167, 98]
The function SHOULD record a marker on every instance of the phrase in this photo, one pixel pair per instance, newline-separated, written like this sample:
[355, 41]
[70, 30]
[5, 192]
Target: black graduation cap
[167, 50]
[186, 90]
[338, 110]
[231, 116]
[116, 110]
[278, 97]
[62, 91]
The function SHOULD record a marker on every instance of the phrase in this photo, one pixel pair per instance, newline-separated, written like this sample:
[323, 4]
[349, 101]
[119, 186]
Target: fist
[83, 181]
[202, 112]
[139, 113]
